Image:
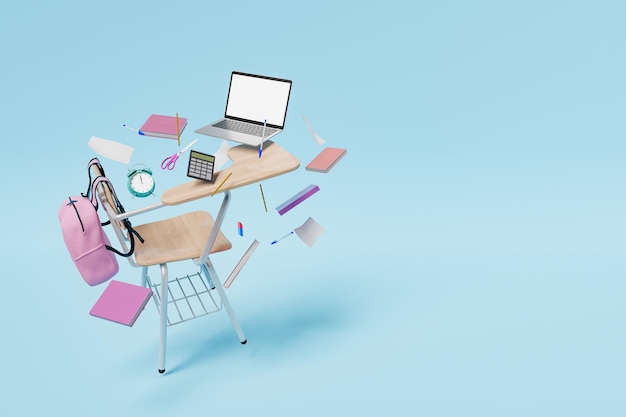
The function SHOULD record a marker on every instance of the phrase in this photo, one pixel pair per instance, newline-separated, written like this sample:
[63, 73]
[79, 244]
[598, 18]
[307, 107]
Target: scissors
[170, 161]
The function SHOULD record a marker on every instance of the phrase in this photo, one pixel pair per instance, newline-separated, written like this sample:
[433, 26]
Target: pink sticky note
[326, 159]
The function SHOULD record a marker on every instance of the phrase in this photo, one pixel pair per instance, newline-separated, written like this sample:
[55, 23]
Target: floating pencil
[220, 186]
[134, 130]
[177, 129]
[278, 240]
[262, 138]
[263, 195]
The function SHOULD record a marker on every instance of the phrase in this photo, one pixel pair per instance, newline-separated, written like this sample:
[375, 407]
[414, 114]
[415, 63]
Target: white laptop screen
[258, 99]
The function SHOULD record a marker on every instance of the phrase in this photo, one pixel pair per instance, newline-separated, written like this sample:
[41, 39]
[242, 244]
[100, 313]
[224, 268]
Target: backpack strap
[96, 162]
[132, 233]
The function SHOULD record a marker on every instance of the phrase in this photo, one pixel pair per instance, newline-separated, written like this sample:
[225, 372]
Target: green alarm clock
[140, 181]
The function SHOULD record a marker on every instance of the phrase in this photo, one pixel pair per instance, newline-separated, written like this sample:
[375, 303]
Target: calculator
[200, 166]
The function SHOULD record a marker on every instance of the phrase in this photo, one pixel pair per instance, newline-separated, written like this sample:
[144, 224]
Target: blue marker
[134, 130]
[262, 138]
[278, 240]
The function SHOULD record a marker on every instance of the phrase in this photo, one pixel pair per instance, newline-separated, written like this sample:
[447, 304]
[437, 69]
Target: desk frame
[246, 169]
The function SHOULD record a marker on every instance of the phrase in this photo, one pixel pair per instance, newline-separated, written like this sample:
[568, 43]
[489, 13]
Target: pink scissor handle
[169, 162]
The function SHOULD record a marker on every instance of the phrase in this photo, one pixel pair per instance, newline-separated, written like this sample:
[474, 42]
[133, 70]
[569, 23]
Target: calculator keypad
[200, 166]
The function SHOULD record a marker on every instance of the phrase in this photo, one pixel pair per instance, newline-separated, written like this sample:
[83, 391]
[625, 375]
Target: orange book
[326, 159]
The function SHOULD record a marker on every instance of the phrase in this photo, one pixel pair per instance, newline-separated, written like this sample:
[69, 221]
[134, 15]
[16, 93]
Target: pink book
[121, 302]
[163, 126]
[326, 159]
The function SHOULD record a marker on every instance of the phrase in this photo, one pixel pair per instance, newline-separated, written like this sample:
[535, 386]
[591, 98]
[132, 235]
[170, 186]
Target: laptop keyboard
[243, 127]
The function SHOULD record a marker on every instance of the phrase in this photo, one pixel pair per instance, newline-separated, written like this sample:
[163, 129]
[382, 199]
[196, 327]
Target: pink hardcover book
[121, 302]
[163, 126]
[326, 159]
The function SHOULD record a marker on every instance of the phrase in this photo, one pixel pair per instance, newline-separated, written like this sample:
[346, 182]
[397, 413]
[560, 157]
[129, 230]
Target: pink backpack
[85, 238]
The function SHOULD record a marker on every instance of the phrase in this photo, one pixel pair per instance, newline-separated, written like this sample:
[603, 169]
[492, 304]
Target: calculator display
[200, 166]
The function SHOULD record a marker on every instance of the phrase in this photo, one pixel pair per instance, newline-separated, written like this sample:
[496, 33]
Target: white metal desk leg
[163, 333]
[217, 225]
[209, 271]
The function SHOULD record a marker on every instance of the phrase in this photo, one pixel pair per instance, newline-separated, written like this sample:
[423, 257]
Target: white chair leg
[144, 276]
[211, 275]
[163, 333]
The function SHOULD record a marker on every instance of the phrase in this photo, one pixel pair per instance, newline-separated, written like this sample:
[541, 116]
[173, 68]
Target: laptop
[256, 109]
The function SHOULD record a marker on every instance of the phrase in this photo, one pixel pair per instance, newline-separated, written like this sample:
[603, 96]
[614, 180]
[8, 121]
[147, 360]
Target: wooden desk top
[247, 168]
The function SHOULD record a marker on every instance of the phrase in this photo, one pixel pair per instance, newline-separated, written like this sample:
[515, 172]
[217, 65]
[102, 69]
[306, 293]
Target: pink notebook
[326, 159]
[121, 302]
[163, 126]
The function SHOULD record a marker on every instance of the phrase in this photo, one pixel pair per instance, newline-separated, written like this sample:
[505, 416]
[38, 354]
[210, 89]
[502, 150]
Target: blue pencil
[134, 130]
[278, 240]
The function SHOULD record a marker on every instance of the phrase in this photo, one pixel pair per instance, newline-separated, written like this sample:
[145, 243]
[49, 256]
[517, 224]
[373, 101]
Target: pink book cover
[326, 159]
[121, 302]
[163, 126]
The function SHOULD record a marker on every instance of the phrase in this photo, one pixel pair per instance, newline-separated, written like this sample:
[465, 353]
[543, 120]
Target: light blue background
[473, 259]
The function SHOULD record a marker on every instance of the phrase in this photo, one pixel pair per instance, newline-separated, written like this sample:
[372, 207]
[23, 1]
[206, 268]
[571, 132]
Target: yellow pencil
[177, 129]
[263, 195]
[220, 186]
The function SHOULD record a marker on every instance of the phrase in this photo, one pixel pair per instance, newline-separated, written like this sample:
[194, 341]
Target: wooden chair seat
[176, 239]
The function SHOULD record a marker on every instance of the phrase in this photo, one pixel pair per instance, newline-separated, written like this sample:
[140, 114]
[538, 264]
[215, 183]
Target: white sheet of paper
[316, 137]
[110, 149]
[221, 156]
[309, 231]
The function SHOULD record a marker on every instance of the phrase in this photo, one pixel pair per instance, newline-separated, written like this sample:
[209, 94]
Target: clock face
[142, 183]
